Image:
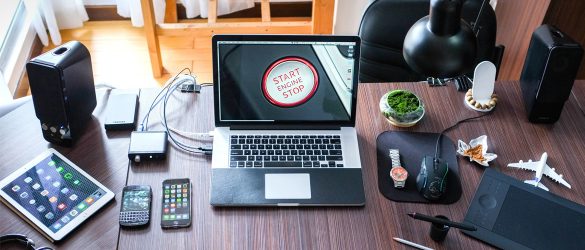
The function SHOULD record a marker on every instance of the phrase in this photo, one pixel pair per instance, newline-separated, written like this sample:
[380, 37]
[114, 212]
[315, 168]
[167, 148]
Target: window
[6, 15]
[7, 20]
[12, 23]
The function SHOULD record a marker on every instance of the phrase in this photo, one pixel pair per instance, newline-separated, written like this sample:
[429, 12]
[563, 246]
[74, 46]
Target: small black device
[136, 203]
[63, 92]
[121, 111]
[146, 145]
[551, 65]
[510, 214]
[432, 178]
[176, 203]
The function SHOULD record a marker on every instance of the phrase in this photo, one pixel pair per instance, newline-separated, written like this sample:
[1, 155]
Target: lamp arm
[475, 26]
[462, 83]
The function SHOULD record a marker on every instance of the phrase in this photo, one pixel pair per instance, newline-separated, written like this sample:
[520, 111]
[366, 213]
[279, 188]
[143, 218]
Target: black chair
[385, 24]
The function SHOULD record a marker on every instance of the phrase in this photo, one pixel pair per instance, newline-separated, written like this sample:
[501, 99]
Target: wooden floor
[120, 56]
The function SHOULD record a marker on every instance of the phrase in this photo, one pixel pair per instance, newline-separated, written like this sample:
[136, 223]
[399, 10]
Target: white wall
[348, 15]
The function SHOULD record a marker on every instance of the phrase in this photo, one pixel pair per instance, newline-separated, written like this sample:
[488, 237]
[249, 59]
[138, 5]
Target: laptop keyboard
[285, 151]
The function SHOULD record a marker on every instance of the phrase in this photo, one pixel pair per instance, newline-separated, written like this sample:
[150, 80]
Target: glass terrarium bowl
[402, 108]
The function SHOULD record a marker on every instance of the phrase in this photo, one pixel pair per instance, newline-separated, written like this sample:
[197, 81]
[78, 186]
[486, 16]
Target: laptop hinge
[285, 127]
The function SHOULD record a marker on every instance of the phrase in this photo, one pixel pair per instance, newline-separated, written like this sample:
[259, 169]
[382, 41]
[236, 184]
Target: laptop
[285, 110]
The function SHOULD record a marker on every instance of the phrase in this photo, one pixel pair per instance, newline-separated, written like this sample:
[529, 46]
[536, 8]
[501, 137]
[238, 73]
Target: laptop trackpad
[287, 186]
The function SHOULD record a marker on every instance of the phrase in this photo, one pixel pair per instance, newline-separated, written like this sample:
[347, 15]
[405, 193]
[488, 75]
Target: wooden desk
[100, 154]
[510, 136]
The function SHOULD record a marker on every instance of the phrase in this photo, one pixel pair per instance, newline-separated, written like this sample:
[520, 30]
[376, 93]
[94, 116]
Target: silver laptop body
[285, 121]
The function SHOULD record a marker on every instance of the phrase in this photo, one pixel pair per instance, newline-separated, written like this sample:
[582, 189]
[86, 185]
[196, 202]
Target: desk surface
[103, 155]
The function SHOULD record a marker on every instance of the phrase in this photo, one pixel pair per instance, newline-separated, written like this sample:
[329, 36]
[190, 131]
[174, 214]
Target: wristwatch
[397, 173]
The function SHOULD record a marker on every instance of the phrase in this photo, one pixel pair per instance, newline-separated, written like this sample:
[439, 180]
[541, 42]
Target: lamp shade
[441, 44]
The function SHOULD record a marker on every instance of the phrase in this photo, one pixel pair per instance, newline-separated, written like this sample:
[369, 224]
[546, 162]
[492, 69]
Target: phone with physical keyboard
[135, 208]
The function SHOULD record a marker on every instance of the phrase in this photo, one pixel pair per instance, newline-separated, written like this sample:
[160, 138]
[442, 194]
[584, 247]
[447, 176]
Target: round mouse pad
[413, 146]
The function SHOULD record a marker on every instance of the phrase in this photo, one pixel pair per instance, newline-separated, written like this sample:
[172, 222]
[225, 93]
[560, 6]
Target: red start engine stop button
[289, 82]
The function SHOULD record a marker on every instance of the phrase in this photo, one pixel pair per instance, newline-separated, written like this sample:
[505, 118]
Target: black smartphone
[176, 203]
[136, 203]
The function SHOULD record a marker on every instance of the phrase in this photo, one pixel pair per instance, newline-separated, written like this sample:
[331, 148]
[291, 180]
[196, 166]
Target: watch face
[398, 174]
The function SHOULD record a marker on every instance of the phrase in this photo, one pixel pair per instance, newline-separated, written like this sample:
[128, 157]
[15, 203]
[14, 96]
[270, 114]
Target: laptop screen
[285, 79]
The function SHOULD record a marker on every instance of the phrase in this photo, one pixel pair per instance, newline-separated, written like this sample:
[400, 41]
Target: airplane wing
[537, 184]
[530, 165]
[550, 172]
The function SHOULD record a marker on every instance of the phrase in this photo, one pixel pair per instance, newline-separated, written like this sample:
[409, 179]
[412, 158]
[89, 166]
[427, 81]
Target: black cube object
[551, 65]
[63, 92]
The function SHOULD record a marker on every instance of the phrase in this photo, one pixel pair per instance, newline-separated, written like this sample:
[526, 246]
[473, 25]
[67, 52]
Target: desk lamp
[441, 45]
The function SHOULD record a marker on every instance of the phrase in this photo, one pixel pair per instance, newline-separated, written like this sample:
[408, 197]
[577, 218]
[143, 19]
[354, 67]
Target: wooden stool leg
[323, 11]
[212, 12]
[265, 7]
[152, 37]
[171, 11]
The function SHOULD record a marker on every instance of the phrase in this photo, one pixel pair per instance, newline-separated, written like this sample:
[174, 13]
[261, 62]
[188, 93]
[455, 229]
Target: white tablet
[53, 194]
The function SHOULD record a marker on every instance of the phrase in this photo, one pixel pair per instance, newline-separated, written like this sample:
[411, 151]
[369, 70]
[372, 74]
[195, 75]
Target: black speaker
[551, 65]
[63, 92]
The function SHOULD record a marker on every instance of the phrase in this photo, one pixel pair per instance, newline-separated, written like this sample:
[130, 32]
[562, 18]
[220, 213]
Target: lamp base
[480, 105]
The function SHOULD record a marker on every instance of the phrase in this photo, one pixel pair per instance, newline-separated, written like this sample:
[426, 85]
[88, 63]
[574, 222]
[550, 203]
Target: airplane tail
[536, 184]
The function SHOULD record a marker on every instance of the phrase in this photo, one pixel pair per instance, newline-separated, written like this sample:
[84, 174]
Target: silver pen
[412, 244]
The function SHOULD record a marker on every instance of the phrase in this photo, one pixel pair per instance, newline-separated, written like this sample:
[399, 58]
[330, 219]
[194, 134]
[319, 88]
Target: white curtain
[133, 10]
[53, 15]
[194, 8]
[199, 7]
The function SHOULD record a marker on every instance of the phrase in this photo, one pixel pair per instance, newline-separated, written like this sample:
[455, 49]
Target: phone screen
[136, 200]
[176, 203]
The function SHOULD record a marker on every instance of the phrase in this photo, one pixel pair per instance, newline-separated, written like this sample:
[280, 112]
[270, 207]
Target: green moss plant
[402, 102]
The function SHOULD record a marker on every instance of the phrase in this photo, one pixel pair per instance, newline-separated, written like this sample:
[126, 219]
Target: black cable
[437, 152]
[475, 26]
[578, 104]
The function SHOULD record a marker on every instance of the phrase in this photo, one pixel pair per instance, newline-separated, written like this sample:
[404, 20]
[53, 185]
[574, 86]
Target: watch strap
[395, 158]
[399, 184]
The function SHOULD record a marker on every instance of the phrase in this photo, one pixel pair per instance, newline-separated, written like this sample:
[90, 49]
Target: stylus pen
[412, 244]
[454, 224]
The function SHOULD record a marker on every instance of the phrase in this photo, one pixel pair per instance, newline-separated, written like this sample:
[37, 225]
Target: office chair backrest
[385, 24]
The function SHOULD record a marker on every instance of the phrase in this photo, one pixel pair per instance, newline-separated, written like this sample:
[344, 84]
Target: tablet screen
[54, 192]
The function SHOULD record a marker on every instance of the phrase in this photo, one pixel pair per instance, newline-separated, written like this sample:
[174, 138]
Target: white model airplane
[540, 167]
